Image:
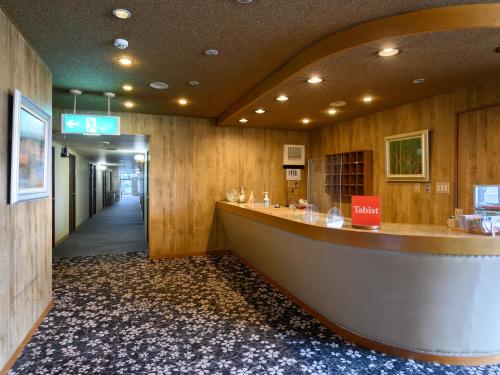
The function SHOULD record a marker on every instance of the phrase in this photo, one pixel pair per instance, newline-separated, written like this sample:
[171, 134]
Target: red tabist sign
[365, 211]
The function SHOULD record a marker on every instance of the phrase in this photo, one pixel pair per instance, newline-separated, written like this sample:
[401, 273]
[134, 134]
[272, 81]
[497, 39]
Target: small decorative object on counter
[276, 205]
[233, 196]
[267, 201]
[478, 224]
[242, 194]
[251, 198]
[334, 219]
[450, 222]
[302, 204]
[311, 214]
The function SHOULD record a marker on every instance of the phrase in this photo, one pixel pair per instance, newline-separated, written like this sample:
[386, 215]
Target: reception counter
[419, 291]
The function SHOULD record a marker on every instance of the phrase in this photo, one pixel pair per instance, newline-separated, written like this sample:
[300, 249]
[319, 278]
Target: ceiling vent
[294, 156]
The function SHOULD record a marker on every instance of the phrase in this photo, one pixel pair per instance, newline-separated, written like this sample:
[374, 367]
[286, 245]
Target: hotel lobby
[249, 187]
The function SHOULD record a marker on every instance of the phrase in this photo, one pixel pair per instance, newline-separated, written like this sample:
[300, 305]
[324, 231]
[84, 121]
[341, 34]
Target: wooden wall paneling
[193, 164]
[478, 159]
[400, 203]
[25, 228]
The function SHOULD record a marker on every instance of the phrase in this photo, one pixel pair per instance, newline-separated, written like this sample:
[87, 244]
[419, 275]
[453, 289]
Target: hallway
[116, 229]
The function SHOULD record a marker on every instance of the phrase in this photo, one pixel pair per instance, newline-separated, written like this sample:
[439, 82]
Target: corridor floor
[125, 314]
[116, 229]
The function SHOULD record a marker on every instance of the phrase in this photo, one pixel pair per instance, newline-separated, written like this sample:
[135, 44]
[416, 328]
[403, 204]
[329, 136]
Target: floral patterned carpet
[125, 314]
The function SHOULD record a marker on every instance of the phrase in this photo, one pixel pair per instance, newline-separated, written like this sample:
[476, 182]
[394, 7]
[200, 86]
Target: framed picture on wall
[407, 156]
[30, 151]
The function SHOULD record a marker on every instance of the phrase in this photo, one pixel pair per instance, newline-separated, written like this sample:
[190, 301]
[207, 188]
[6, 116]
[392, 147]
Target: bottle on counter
[251, 198]
[242, 194]
[267, 201]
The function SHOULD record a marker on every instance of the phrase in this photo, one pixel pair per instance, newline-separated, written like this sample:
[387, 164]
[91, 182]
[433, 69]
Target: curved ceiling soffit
[461, 17]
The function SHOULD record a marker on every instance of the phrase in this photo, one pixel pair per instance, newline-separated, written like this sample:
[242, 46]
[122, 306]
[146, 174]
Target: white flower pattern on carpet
[125, 314]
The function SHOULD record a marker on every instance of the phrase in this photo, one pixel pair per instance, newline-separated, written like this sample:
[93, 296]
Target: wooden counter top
[414, 238]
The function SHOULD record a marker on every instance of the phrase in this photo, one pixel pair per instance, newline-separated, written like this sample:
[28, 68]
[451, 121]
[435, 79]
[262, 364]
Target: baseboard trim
[371, 344]
[26, 339]
[190, 254]
[58, 242]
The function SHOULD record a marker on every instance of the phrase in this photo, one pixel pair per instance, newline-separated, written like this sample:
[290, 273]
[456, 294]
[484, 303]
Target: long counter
[420, 291]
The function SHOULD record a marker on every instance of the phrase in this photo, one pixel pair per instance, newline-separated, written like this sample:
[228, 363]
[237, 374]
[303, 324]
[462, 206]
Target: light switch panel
[443, 187]
[416, 188]
[427, 188]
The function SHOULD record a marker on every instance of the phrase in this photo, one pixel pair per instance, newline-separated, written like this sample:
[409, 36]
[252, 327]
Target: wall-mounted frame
[30, 151]
[407, 157]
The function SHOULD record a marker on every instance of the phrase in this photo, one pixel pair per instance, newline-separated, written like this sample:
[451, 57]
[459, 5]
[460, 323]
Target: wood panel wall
[479, 159]
[193, 164]
[400, 202]
[25, 229]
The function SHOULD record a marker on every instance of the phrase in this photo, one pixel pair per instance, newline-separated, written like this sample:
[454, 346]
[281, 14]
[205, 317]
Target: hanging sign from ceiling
[90, 124]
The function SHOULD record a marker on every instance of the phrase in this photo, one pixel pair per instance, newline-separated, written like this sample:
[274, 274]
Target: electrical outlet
[416, 188]
[443, 187]
[427, 188]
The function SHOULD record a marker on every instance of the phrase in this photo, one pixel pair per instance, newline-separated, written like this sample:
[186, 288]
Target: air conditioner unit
[294, 156]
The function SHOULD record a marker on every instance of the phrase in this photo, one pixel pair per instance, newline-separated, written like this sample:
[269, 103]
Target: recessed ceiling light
[159, 85]
[337, 103]
[315, 80]
[127, 87]
[306, 121]
[105, 142]
[122, 13]
[282, 98]
[387, 52]
[260, 111]
[419, 81]
[368, 99]
[212, 52]
[243, 120]
[182, 101]
[194, 82]
[332, 111]
[244, 1]
[125, 61]
[129, 104]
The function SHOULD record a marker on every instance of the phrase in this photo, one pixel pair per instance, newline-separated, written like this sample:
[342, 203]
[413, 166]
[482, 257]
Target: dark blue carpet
[125, 314]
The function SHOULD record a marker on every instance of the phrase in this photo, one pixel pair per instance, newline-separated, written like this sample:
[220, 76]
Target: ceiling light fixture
[129, 104]
[315, 80]
[243, 120]
[368, 99]
[194, 83]
[244, 1]
[388, 52]
[282, 98]
[260, 111]
[159, 85]
[182, 101]
[212, 52]
[122, 14]
[125, 61]
[419, 81]
[306, 121]
[338, 103]
[105, 142]
[139, 157]
[127, 87]
[332, 111]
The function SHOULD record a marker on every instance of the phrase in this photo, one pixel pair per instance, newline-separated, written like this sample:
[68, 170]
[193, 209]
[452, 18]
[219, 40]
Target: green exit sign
[90, 124]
